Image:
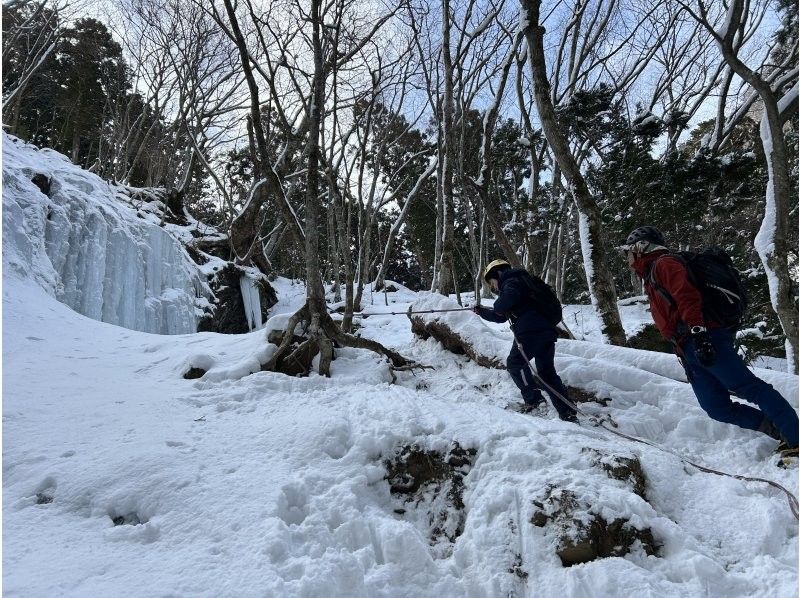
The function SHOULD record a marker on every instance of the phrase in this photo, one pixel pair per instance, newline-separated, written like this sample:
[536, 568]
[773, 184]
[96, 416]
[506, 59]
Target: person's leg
[732, 373]
[545, 367]
[715, 399]
[521, 375]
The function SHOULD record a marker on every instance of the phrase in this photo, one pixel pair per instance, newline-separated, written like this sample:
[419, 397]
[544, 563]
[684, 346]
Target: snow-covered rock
[75, 235]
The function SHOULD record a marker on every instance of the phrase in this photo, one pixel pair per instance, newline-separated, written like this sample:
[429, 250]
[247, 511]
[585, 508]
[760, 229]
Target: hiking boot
[570, 416]
[787, 455]
[768, 428]
[537, 409]
[785, 450]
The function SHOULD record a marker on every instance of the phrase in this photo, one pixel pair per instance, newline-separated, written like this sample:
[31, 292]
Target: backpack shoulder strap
[651, 279]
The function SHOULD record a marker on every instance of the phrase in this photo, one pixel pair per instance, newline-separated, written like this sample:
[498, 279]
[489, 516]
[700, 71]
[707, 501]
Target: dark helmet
[645, 233]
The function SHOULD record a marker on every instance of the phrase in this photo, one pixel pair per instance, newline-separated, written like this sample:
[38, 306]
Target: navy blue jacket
[515, 302]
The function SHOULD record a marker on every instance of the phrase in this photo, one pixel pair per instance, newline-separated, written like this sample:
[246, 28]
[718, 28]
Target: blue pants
[543, 354]
[713, 386]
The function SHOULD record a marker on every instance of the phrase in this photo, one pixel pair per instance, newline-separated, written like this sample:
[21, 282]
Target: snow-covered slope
[123, 479]
[90, 249]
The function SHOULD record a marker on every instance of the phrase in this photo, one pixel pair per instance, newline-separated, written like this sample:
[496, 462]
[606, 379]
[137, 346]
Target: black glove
[703, 347]
[476, 309]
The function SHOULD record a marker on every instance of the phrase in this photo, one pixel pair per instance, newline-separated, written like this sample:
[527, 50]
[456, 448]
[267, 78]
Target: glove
[703, 347]
[476, 309]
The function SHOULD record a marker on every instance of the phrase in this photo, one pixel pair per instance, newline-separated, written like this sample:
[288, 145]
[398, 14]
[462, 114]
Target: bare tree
[599, 278]
[297, 92]
[772, 241]
[31, 33]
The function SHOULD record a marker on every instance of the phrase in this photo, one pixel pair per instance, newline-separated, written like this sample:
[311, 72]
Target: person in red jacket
[706, 349]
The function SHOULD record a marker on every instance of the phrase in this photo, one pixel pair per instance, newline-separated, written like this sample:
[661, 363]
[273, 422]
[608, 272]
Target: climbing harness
[791, 498]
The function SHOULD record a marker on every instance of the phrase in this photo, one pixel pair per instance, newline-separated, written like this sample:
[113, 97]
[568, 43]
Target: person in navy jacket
[536, 334]
[713, 366]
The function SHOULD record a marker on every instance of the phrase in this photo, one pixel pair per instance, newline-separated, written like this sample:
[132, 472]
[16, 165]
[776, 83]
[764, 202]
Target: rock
[43, 499]
[583, 535]
[432, 482]
[626, 469]
[578, 395]
[194, 373]
[228, 316]
[43, 182]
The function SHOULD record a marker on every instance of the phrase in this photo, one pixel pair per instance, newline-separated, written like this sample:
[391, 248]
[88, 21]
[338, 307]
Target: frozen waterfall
[90, 249]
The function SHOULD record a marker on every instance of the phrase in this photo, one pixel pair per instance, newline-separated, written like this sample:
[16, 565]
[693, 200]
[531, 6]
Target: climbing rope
[402, 313]
[791, 498]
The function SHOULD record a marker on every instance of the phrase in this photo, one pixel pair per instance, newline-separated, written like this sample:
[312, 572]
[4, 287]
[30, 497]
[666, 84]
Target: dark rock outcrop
[625, 469]
[582, 539]
[228, 315]
[421, 478]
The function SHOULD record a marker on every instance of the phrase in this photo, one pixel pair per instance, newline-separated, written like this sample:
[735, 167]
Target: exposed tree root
[295, 353]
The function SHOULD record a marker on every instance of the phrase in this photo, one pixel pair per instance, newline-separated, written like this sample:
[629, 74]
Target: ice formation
[90, 249]
[252, 301]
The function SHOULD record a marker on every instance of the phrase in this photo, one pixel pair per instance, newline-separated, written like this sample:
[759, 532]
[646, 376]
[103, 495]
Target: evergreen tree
[89, 73]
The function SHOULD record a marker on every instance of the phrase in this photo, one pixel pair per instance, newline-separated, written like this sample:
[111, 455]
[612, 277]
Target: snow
[122, 478]
[259, 484]
[765, 238]
[88, 248]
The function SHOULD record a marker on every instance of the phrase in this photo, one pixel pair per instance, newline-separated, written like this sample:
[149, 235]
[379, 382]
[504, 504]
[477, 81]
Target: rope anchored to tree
[404, 313]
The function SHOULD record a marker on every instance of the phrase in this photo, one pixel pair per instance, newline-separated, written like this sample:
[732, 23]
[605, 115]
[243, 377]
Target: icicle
[252, 302]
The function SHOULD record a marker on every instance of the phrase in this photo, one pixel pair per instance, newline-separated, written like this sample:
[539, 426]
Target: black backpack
[713, 273]
[543, 298]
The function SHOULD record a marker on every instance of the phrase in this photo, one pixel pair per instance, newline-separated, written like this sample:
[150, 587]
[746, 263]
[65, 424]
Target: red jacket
[671, 275]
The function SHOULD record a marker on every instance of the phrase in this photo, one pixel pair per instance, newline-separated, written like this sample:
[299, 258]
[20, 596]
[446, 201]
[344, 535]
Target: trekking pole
[791, 498]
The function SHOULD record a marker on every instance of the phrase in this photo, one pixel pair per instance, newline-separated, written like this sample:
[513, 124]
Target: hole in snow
[43, 498]
[128, 519]
[194, 373]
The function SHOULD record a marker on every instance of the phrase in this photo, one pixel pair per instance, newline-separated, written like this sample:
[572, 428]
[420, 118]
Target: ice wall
[90, 249]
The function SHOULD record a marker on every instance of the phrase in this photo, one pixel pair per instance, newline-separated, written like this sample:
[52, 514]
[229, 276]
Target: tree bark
[772, 240]
[482, 184]
[448, 206]
[598, 275]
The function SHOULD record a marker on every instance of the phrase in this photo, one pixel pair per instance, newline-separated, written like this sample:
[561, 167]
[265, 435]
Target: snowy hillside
[80, 239]
[122, 478]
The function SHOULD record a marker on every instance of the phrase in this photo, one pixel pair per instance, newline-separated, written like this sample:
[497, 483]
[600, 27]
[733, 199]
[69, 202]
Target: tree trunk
[772, 240]
[315, 291]
[483, 183]
[598, 275]
[246, 226]
[437, 251]
[333, 250]
[448, 205]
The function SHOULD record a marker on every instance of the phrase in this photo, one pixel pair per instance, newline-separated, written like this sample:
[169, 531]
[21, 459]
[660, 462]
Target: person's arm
[672, 276]
[510, 296]
[489, 314]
